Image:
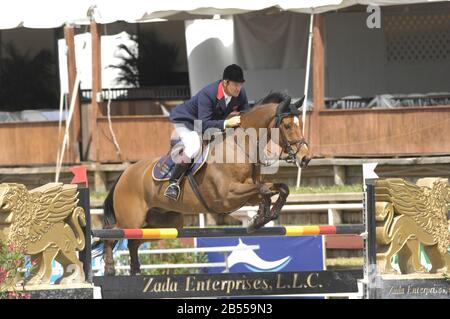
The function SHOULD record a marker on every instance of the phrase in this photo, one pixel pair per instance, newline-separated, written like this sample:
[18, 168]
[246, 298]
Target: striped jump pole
[168, 233]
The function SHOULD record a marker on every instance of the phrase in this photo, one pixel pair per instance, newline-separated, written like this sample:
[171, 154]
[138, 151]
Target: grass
[98, 196]
[351, 262]
[326, 189]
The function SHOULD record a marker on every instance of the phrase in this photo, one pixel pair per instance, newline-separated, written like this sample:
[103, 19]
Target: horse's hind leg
[133, 247]
[155, 219]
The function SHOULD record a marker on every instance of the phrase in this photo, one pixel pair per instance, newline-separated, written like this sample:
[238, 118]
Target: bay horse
[137, 201]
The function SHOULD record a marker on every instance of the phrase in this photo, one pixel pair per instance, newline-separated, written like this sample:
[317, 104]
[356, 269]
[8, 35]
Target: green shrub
[178, 258]
[11, 272]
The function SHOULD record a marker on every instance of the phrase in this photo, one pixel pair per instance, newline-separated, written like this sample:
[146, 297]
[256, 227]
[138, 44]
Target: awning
[53, 14]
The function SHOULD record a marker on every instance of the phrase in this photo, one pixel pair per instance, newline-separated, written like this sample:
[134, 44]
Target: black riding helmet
[233, 73]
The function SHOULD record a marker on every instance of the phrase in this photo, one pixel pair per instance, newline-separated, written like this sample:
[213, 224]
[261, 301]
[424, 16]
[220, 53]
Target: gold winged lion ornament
[408, 215]
[45, 223]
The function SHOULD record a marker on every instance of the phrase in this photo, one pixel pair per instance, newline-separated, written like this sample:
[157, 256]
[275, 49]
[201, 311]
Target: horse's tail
[109, 218]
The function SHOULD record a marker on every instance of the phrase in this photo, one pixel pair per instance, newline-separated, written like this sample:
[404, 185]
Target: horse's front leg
[283, 193]
[108, 257]
[263, 215]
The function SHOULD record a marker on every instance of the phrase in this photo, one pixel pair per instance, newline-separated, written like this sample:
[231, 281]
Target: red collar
[219, 94]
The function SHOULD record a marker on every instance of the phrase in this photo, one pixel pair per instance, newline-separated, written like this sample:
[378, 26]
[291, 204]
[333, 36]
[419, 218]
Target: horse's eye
[287, 126]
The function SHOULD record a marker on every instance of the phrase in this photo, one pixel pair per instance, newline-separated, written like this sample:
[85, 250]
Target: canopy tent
[52, 14]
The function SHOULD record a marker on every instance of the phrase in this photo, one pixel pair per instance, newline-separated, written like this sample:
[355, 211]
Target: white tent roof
[51, 14]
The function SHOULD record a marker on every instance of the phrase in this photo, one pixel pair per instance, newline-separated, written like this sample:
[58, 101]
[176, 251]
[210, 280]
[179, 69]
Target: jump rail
[167, 233]
[342, 281]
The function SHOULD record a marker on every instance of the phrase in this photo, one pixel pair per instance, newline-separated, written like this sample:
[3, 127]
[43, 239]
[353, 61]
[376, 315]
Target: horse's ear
[299, 103]
[283, 107]
[294, 110]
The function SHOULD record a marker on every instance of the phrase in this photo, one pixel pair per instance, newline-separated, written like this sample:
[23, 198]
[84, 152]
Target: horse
[136, 200]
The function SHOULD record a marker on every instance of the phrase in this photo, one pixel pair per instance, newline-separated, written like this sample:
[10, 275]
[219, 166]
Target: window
[418, 37]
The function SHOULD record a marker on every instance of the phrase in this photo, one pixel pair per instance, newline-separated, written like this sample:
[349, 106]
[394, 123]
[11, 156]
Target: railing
[247, 212]
[388, 101]
[353, 202]
[225, 250]
[179, 92]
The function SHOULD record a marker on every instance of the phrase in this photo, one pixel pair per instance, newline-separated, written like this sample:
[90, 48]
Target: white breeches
[190, 139]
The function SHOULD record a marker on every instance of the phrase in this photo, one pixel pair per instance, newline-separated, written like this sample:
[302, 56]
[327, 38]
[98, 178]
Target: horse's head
[292, 141]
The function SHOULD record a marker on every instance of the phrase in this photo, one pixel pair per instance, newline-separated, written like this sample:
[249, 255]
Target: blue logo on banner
[253, 262]
[275, 253]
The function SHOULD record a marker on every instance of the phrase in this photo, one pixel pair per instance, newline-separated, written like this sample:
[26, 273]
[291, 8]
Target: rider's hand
[233, 121]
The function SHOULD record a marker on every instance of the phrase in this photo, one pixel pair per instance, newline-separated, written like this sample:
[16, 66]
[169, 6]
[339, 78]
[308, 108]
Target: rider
[211, 106]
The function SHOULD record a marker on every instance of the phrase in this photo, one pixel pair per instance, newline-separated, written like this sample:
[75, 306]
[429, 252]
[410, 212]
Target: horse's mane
[272, 97]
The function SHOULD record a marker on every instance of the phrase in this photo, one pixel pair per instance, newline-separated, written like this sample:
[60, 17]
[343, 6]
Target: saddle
[162, 170]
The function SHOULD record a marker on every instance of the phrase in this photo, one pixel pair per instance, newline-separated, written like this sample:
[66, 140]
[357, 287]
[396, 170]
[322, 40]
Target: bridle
[284, 110]
[286, 144]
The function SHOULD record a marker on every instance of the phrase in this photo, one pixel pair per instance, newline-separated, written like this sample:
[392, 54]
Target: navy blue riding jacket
[208, 105]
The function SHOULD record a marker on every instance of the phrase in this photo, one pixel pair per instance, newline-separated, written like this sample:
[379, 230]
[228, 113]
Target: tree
[27, 81]
[152, 65]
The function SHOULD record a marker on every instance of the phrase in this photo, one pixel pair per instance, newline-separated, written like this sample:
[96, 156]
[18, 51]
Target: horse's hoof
[274, 216]
[253, 226]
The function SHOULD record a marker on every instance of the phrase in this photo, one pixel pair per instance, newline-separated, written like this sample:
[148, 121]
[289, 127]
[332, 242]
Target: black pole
[371, 248]
[85, 255]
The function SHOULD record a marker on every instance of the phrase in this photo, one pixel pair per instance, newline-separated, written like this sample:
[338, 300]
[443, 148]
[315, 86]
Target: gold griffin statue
[408, 215]
[44, 223]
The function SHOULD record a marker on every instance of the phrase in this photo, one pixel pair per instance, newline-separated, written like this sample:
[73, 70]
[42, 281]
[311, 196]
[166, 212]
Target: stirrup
[171, 195]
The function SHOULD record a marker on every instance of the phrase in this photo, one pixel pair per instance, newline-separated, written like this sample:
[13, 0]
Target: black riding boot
[173, 190]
